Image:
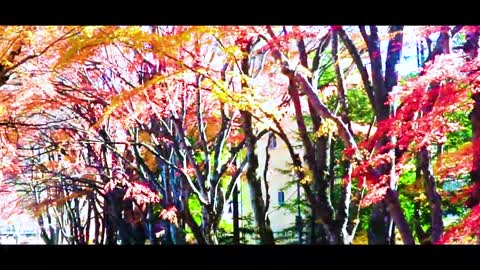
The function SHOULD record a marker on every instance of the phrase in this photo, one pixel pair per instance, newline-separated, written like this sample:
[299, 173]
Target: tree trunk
[377, 233]
[316, 151]
[424, 158]
[254, 183]
[422, 236]
[110, 228]
[378, 228]
[208, 226]
[236, 223]
[190, 221]
[396, 212]
[382, 86]
[343, 212]
[434, 198]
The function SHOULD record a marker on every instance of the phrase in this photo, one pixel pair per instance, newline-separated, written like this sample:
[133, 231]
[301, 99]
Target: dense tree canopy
[146, 134]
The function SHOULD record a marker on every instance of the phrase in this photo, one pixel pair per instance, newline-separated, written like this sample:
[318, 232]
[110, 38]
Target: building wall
[280, 218]
[280, 158]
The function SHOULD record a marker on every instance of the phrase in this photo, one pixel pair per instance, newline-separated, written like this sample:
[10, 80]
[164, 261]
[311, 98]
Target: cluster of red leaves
[236, 136]
[141, 192]
[426, 31]
[169, 214]
[471, 68]
[282, 42]
[420, 121]
[465, 231]
[231, 169]
[366, 171]
[9, 202]
[470, 28]
[466, 195]
[376, 195]
[190, 171]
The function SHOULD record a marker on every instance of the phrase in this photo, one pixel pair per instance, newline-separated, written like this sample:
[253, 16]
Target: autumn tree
[180, 144]
[135, 135]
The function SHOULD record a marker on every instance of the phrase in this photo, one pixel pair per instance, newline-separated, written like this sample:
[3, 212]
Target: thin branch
[25, 59]
[359, 63]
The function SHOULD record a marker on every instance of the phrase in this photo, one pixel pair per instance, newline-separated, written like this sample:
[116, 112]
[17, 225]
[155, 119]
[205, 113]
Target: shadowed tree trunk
[434, 198]
[254, 183]
[343, 209]
[377, 91]
[317, 150]
[236, 223]
[382, 85]
[299, 83]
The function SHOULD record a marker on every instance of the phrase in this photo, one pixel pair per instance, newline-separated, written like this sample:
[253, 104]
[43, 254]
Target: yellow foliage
[235, 52]
[6, 64]
[89, 30]
[298, 169]
[328, 126]
[150, 159]
[306, 180]
[244, 101]
[2, 110]
[420, 198]
[124, 96]
[135, 37]
[361, 238]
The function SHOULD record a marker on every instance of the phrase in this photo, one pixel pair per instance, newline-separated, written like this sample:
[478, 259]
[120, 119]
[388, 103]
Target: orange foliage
[57, 200]
[452, 164]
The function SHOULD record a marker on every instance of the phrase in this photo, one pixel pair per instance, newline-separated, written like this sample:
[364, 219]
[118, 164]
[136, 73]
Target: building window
[281, 198]
[230, 207]
[272, 141]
